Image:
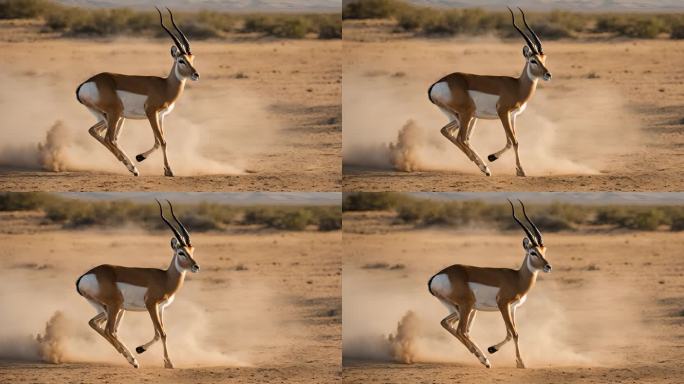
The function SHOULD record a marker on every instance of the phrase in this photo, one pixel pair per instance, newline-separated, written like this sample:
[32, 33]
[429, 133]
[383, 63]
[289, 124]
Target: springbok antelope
[465, 97]
[112, 290]
[465, 289]
[112, 98]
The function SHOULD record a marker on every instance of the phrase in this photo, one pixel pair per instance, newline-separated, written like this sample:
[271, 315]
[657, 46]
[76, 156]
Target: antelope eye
[533, 62]
[181, 62]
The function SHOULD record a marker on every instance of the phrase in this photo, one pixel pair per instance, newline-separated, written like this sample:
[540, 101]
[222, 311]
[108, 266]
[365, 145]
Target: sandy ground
[265, 307]
[609, 312]
[610, 119]
[265, 115]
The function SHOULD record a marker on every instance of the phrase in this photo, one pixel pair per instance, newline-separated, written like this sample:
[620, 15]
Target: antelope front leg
[506, 313]
[156, 122]
[155, 315]
[509, 126]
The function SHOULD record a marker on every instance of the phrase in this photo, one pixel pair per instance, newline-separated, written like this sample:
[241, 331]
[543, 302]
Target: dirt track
[609, 312]
[250, 315]
[265, 115]
[609, 119]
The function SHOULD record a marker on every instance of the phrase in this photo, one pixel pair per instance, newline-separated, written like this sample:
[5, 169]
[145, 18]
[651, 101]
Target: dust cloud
[45, 128]
[389, 123]
[49, 323]
[392, 319]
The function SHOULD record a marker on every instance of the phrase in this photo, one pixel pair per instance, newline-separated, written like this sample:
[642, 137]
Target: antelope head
[180, 52]
[180, 244]
[533, 243]
[533, 52]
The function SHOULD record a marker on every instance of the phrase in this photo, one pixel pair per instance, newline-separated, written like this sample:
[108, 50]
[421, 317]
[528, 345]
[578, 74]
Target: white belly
[133, 104]
[485, 296]
[133, 296]
[485, 104]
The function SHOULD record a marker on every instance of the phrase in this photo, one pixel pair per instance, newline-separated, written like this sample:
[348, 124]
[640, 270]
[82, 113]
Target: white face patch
[441, 285]
[441, 93]
[528, 261]
[485, 296]
[485, 104]
[133, 296]
[133, 104]
[89, 93]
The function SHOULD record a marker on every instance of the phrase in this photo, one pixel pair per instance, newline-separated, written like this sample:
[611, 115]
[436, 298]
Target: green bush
[291, 28]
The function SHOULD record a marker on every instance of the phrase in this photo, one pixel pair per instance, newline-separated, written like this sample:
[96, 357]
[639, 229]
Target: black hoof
[491, 349]
[140, 158]
[492, 157]
[140, 350]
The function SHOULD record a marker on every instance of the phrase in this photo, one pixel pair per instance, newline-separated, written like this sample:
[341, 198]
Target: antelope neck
[174, 82]
[526, 275]
[527, 83]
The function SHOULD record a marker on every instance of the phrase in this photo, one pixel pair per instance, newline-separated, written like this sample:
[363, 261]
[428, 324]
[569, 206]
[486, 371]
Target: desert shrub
[677, 31]
[372, 9]
[645, 28]
[296, 220]
[330, 223]
[23, 201]
[328, 26]
[370, 201]
[549, 223]
[22, 9]
[199, 223]
[552, 31]
[677, 224]
[200, 31]
[291, 27]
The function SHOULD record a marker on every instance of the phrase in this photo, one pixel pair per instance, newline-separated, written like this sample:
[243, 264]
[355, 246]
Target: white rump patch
[88, 285]
[133, 104]
[89, 93]
[441, 285]
[485, 296]
[440, 92]
[485, 104]
[133, 296]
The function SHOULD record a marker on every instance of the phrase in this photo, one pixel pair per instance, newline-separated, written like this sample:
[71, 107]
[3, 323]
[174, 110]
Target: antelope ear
[527, 52]
[175, 244]
[175, 52]
[527, 244]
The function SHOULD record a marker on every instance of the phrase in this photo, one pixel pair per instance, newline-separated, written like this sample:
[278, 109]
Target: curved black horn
[527, 231]
[175, 39]
[182, 35]
[534, 227]
[175, 232]
[182, 227]
[534, 35]
[527, 39]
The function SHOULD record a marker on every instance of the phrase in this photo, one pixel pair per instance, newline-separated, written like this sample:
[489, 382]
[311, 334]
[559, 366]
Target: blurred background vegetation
[201, 217]
[98, 22]
[551, 217]
[427, 21]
